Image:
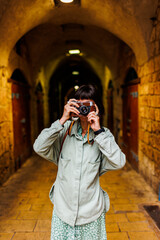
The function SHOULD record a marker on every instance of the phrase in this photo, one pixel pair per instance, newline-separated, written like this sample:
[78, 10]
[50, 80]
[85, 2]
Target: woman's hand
[94, 119]
[68, 108]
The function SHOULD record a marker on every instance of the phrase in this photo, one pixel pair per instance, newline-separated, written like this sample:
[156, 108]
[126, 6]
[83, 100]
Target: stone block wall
[149, 111]
[6, 129]
[149, 105]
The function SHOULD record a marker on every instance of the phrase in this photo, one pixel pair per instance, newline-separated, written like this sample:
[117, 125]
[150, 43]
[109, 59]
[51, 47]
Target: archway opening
[40, 108]
[130, 117]
[71, 72]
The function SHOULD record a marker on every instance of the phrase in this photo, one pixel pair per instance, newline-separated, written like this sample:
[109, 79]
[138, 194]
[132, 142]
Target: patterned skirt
[95, 230]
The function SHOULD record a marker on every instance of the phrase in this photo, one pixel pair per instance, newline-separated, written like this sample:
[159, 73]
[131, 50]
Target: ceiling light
[75, 73]
[61, 3]
[76, 87]
[66, 1]
[74, 51]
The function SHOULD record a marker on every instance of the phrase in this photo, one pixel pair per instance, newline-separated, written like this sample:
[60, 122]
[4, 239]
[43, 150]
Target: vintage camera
[84, 108]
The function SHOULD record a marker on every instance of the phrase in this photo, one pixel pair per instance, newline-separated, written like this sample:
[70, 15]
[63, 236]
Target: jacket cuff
[100, 139]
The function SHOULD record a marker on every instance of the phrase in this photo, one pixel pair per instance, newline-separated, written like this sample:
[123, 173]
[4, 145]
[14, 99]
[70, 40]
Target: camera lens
[84, 110]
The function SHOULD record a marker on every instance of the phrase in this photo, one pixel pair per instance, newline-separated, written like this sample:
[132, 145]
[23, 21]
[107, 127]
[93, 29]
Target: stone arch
[62, 81]
[39, 87]
[19, 76]
[102, 14]
[130, 76]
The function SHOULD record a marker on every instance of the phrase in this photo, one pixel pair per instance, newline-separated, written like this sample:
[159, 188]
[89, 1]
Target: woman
[83, 151]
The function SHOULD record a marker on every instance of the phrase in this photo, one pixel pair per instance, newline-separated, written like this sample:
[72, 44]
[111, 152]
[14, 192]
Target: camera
[84, 108]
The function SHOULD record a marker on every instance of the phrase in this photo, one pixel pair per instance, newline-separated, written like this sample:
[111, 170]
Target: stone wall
[6, 129]
[149, 92]
[126, 60]
[149, 105]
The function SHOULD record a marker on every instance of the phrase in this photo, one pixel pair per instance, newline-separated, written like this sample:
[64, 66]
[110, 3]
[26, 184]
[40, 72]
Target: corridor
[49, 48]
[26, 209]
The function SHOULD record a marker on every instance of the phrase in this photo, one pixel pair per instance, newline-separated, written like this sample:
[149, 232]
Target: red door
[21, 122]
[130, 123]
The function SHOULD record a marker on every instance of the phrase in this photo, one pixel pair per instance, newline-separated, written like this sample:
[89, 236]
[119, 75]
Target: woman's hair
[90, 92]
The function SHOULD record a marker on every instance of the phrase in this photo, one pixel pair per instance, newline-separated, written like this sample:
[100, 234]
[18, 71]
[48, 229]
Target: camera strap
[88, 135]
[67, 132]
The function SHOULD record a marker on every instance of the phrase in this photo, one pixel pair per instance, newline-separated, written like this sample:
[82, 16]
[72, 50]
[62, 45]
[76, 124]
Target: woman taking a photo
[83, 151]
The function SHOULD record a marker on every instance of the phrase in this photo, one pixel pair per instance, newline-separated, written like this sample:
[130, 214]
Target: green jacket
[76, 194]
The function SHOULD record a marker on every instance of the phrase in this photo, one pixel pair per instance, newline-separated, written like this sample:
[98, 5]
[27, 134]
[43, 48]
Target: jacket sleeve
[112, 156]
[48, 143]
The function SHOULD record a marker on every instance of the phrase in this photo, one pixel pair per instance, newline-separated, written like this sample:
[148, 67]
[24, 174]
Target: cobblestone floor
[26, 210]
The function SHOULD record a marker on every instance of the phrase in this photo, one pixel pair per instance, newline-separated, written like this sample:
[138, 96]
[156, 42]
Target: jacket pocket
[95, 159]
[64, 168]
[51, 193]
[106, 200]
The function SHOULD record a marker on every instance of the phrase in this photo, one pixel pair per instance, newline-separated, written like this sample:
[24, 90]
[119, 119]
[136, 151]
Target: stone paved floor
[26, 210]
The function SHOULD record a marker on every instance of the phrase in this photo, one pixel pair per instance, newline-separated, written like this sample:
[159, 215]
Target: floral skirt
[95, 230]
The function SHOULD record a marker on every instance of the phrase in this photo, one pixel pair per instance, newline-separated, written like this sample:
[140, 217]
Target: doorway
[130, 117]
[40, 109]
[21, 118]
[110, 121]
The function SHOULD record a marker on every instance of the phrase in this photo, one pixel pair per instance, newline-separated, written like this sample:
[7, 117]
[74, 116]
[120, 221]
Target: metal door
[130, 123]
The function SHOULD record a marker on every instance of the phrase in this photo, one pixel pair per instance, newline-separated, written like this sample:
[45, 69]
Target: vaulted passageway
[71, 73]
[118, 50]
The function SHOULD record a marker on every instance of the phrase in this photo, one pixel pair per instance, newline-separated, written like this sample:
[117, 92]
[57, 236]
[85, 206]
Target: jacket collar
[74, 131]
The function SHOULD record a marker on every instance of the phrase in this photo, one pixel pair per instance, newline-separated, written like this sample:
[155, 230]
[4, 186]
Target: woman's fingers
[70, 109]
[97, 110]
[93, 114]
[72, 102]
[92, 118]
[74, 110]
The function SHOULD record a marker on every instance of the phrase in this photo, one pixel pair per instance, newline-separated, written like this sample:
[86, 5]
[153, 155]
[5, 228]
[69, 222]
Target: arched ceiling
[49, 41]
[104, 21]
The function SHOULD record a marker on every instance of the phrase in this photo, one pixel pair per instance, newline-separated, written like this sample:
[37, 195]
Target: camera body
[84, 108]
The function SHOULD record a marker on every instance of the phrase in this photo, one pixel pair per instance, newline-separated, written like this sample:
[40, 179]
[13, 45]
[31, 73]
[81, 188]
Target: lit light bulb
[74, 51]
[76, 87]
[75, 73]
[66, 1]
